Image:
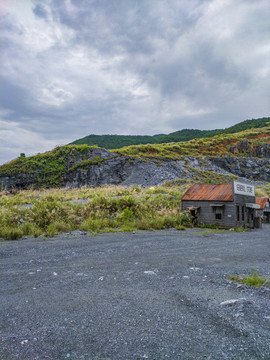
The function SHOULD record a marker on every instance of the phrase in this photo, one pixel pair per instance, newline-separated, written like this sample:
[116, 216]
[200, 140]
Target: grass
[211, 231]
[263, 190]
[209, 177]
[104, 209]
[253, 279]
[219, 145]
[215, 229]
[48, 168]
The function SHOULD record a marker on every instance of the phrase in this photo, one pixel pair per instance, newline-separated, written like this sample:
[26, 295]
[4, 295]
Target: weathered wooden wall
[242, 200]
[206, 213]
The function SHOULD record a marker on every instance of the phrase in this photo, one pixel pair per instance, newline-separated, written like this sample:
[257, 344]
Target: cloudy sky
[70, 68]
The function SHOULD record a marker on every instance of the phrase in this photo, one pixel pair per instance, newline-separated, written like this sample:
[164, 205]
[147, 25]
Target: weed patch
[253, 279]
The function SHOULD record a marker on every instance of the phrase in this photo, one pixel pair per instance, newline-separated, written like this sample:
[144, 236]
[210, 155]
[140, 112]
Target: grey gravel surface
[147, 295]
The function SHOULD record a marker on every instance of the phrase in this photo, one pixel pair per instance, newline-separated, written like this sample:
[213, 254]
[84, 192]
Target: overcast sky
[70, 68]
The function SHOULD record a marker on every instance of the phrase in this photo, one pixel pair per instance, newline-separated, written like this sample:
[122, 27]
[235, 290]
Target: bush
[127, 214]
[184, 220]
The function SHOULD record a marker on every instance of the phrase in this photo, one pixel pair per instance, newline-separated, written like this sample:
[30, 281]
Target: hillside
[119, 141]
[217, 159]
[245, 143]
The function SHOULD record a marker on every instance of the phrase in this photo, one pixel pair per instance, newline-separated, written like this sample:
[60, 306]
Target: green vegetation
[213, 228]
[210, 231]
[105, 209]
[263, 190]
[209, 177]
[202, 177]
[48, 168]
[219, 145]
[119, 141]
[253, 279]
[83, 164]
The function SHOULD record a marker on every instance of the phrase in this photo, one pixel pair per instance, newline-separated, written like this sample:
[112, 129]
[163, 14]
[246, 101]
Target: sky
[70, 68]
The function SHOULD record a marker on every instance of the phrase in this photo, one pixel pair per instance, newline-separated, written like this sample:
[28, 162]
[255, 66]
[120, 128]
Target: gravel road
[146, 295]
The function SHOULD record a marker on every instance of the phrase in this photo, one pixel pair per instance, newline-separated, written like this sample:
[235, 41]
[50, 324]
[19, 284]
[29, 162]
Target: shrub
[184, 220]
[127, 214]
[127, 228]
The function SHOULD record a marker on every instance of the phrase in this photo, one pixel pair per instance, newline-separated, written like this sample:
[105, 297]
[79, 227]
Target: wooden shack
[264, 210]
[225, 205]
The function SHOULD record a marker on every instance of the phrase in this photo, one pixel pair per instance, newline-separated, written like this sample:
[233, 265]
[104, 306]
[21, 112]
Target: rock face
[251, 168]
[245, 147]
[132, 171]
[111, 168]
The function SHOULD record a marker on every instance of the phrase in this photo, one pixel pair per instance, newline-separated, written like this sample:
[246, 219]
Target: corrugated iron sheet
[261, 201]
[210, 192]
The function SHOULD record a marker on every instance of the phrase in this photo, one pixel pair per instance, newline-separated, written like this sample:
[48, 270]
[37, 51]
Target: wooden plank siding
[229, 213]
[241, 201]
[226, 205]
[207, 215]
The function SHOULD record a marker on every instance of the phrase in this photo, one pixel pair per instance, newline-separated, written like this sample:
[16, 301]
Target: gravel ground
[147, 295]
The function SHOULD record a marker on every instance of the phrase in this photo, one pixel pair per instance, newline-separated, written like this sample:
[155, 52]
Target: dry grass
[108, 208]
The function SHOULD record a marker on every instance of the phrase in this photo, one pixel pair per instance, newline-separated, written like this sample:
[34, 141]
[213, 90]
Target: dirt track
[149, 295]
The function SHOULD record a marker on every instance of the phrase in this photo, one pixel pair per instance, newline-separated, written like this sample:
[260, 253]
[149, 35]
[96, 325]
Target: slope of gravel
[148, 295]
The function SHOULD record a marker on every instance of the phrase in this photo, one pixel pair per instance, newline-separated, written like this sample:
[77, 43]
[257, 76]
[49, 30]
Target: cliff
[79, 166]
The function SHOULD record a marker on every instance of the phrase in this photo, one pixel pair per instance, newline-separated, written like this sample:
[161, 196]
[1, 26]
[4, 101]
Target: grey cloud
[40, 11]
[145, 66]
[13, 97]
[124, 25]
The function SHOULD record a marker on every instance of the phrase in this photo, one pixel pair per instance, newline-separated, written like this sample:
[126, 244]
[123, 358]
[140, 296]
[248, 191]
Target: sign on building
[252, 206]
[243, 189]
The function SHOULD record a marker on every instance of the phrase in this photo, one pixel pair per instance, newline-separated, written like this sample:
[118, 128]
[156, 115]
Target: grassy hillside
[49, 168]
[119, 141]
[49, 165]
[212, 146]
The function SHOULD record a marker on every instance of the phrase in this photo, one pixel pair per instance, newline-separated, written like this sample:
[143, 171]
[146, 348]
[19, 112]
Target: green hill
[54, 168]
[242, 143]
[119, 141]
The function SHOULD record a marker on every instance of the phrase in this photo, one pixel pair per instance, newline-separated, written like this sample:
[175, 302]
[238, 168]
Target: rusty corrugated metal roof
[210, 192]
[261, 201]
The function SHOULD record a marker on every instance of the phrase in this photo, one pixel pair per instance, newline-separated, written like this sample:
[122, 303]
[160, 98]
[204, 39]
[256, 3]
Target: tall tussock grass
[104, 209]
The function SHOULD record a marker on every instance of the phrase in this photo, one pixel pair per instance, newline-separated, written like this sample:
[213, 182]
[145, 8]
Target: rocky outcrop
[251, 168]
[103, 167]
[251, 150]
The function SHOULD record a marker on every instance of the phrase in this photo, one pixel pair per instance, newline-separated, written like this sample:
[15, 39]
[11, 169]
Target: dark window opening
[243, 213]
[218, 213]
[194, 215]
[238, 212]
